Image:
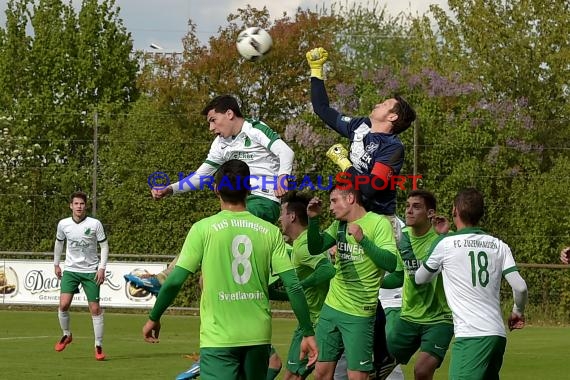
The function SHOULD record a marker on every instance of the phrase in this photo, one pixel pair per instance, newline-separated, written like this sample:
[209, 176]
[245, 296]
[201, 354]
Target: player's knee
[275, 361]
[424, 370]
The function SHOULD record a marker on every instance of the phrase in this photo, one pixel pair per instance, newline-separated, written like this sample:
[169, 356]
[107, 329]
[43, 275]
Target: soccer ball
[253, 43]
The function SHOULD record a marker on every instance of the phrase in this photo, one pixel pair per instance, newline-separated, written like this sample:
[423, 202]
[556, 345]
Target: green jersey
[354, 288]
[237, 253]
[425, 304]
[305, 265]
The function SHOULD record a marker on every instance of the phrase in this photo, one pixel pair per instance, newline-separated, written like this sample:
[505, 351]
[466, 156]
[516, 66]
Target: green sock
[272, 373]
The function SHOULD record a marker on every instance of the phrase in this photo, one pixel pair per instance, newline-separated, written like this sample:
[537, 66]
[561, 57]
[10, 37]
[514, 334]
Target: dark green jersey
[305, 265]
[421, 303]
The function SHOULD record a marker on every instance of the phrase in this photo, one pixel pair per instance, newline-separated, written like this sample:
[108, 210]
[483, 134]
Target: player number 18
[479, 270]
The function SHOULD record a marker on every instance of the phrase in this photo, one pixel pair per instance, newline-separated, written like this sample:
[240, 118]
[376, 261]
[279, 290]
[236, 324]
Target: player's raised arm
[317, 242]
[319, 97]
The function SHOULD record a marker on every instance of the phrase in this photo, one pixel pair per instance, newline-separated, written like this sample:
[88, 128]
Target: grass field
[27, 339]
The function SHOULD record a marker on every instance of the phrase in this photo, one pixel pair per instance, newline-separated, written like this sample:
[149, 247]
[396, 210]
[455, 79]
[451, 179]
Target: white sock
[98, 328]
[63, 317]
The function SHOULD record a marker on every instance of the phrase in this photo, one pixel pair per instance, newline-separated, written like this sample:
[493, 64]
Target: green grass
[27, 339]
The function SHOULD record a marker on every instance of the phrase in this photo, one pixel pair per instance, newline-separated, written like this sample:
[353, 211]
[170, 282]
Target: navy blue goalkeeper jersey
[366, 149]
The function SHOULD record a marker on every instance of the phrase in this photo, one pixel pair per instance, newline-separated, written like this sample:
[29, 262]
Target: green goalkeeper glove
[339, 155]
[317, 58]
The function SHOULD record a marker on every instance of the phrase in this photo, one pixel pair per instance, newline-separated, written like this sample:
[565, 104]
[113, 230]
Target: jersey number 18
[479, 269]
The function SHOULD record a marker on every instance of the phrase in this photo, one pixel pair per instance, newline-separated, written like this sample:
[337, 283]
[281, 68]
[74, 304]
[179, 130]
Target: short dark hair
[406, 115]
[428, 198]
[221, 104]
[297, 203]
[346, 189]
[78, 194]
[470, 206]
[230, 180]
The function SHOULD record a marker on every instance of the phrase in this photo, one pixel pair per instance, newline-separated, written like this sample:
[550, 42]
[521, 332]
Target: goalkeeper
[375, 148]
[375, 151]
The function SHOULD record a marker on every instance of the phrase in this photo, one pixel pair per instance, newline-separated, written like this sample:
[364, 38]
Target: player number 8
[241, 259]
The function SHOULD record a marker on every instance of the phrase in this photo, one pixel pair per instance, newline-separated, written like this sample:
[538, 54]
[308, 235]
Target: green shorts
[405, 337]
[337, 332]
[234, 363]
[477, 358]
[70, 282]
[392, 316]
[263, 208]
[294, 364]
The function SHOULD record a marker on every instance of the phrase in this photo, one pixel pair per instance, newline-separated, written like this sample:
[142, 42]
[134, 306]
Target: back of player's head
[346, 189]
[232, 180]
[297, 204]
[470, 206]
[406, 115]
[78, 194]
[426, 196]
[221, 104]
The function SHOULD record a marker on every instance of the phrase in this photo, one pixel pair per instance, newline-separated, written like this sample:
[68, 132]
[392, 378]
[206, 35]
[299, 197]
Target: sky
[165, 22]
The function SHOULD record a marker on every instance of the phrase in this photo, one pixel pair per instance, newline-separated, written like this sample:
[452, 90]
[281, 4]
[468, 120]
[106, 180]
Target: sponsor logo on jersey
[242, 156]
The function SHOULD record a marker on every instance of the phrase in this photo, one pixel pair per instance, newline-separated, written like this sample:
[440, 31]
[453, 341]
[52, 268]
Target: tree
[52, 82]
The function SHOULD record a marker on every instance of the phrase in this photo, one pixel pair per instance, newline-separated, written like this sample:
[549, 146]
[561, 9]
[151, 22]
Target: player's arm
[196, 180]
[168, 292]
[518, 284]
[57, 251]
[393, 280]
[268, 138]
[298, 300]
[188, 262]
[319, 97]
[323, 272]
[318, 242]
[381, 257]
[520, 291]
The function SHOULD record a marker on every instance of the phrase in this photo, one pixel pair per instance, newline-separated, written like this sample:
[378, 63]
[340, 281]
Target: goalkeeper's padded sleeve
[320, 102]
[104, 254]
[57, 251]
[298, 301]
[393, 280]
[194, 180]
[520, 291]
[285, 155]
[168, 292]
[318, 242]
[381, 257]
[323, 272]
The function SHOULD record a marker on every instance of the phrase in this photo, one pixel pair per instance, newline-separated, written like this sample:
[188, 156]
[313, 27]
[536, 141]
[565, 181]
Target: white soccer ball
[253, 43]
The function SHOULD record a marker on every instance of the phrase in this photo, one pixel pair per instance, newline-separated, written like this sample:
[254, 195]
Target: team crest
[371, 148]
[247, 141]
[87, 231]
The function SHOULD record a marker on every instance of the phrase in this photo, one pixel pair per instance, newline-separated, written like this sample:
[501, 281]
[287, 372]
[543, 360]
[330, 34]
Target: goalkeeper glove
[317, 58]
[339, 155]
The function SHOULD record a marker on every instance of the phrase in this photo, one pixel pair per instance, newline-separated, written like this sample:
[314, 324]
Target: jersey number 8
[241, 259]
